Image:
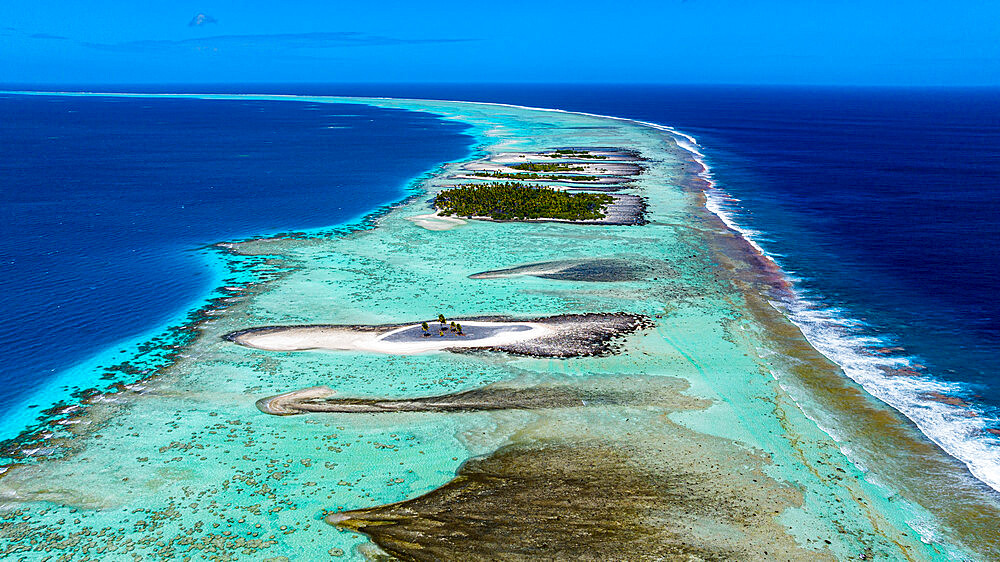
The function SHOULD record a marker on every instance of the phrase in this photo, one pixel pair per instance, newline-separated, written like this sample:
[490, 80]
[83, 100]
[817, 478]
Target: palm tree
[425, 328]
[458, 329]
[442, 319]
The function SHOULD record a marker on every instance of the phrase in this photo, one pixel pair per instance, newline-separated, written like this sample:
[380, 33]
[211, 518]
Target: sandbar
[566, 335]
[397, 340]
[436, 221]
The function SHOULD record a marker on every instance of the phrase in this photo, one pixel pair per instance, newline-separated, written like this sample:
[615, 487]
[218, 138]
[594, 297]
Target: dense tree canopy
[515, 201]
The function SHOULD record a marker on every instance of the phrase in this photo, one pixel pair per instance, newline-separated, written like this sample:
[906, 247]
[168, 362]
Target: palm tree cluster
[445, 327]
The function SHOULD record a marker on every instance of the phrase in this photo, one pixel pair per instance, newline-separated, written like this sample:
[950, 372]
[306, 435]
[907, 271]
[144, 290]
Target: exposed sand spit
[569, 335]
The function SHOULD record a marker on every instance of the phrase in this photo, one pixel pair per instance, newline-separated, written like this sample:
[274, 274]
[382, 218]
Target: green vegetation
[536, 177]
[516, 201]
[564, 152]
[540, 167]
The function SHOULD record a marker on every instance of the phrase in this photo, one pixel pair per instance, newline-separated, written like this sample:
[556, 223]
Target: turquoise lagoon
[183, 464]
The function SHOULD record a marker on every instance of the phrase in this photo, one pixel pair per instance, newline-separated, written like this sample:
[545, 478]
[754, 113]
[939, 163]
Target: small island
[548, 167]
[517, 201]
[536, 177]
[560, 336]
[570, 153]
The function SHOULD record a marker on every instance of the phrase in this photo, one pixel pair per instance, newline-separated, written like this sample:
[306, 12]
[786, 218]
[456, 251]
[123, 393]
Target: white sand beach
[405, 340]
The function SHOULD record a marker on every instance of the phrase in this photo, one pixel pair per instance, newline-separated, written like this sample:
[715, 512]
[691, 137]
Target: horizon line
[12, 86]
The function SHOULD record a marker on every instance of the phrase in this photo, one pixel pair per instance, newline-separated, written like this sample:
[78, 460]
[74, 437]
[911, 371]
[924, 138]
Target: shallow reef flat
[634, 391]
[598, 270]
[705, 433]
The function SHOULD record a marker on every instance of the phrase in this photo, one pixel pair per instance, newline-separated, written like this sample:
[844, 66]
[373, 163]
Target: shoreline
[749, 242]
[64, 385]
[63, 392]
[72, 399]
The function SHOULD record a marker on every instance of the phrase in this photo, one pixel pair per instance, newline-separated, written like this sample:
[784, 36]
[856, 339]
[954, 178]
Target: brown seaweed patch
[557, 502]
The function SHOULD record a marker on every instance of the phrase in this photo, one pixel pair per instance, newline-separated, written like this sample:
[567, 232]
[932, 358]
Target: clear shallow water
[107, 202]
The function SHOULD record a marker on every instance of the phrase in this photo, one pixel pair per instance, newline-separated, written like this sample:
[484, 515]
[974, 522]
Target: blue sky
[670, 41]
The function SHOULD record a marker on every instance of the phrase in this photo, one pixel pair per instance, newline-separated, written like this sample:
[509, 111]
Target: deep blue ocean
[108, 201]
[882, 204]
